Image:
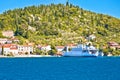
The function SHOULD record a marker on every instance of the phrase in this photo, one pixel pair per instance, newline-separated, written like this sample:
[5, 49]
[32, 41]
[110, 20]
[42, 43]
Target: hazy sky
[110, 7]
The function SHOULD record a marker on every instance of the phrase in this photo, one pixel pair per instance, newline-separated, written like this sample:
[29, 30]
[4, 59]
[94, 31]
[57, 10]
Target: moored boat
[83, 51]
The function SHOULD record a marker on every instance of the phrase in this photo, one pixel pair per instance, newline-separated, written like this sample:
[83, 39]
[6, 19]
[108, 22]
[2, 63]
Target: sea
[60, 68]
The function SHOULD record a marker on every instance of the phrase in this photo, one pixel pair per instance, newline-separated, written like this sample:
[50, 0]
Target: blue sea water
[60, 68]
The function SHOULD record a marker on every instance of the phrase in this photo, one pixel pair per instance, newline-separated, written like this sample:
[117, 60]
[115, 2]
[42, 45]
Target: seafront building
[15, 49]
[5, 40]
[45, 48]
[60, 49]
[113, 45]
[25, 49]
[10, 48]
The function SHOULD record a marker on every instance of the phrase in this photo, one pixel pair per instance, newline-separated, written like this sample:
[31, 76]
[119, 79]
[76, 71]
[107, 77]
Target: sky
[109, 7]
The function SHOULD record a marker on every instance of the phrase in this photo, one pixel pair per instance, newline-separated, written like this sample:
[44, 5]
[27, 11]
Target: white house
[5, 40]
[8, 33]
[10, 48]
[14, 49]
[60, 48]
[46, 48]
[91, 37]
[6, 49]
[14, 40]
[25, 49]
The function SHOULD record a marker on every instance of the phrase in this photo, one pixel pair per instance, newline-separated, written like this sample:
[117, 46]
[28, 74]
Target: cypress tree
[67, 3]
[2, 50]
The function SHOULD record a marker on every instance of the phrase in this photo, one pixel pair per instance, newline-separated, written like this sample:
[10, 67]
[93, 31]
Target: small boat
[83, 51]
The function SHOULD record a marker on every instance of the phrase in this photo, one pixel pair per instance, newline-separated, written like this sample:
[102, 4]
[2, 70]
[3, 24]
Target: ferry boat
[83, 51]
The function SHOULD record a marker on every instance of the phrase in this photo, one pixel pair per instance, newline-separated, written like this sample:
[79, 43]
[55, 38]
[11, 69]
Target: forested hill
[59, 24]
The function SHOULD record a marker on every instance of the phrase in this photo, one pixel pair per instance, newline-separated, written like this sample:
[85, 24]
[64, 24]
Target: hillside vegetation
[59, 24]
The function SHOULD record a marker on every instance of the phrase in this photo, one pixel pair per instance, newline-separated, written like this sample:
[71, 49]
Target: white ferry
[83, 51]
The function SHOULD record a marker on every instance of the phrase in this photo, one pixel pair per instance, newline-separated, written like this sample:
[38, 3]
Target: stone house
[8, 33]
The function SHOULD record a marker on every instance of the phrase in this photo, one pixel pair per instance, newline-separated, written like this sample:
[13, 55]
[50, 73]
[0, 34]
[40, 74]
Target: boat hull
[78, 54]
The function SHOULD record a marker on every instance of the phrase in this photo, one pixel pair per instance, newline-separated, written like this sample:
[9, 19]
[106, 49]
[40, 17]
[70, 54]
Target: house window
[4, 51]
[21, 49]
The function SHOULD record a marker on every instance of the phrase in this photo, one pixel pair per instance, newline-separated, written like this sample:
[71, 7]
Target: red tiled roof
[71, 45]
[113, 43]
[25, 45]
[59, 47]
[6, 45]
[9, 45]
[118, 47]
[13, 48]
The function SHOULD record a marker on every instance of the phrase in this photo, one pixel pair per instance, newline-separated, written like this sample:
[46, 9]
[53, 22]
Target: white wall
[0, 50]
[14, 51]
[47, 48]
[24, 49]
[6, 50]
